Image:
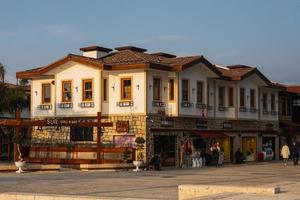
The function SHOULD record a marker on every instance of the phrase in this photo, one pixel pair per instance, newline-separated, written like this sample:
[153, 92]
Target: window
[105, 89]
[185, 90]
[289, 107]
[126, 92]
[66, 91]
[81, 133]
[171, 90]
[46, 93]
[199, 92]
[156, 89]
[265, 101]
[252, 98]
[283, 106]
[221, 96]
[230, 97]
[87, 90]
[242, 97]
[273, 102]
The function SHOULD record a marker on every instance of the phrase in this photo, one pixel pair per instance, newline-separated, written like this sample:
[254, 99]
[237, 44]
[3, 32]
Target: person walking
[285, 152]
[295, 153]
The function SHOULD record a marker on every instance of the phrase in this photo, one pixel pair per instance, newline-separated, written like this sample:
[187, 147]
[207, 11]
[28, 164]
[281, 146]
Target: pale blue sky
[262, 33]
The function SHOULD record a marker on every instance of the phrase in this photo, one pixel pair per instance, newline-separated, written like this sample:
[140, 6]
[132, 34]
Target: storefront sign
[167, 123]
[269, 126]
[201, 124]
[227, 125]
[124, 141]
[66, 121]
[122, 126]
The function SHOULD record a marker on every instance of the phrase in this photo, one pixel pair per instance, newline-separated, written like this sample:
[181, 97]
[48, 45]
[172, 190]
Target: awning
[210, 134]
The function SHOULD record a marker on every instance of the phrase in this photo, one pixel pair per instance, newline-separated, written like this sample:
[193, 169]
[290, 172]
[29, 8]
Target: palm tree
[2, 72]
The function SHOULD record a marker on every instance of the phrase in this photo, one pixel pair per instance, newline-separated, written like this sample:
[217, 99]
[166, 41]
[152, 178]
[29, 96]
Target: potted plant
[18, 139]
[140, 141]
[126, 155]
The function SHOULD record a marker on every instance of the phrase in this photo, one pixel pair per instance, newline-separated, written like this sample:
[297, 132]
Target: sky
[258, 33]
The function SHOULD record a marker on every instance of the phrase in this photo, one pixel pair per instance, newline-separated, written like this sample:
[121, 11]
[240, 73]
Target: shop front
[249, 148]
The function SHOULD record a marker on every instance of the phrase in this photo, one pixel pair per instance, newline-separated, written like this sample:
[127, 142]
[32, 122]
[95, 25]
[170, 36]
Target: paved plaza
[156, 184]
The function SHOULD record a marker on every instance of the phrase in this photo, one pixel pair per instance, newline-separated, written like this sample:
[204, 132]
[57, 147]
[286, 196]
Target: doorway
[165, 146]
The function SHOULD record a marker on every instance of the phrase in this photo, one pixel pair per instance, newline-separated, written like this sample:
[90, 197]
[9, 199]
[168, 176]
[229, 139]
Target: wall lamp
[150, 86]
[193, 90]
[138, 87]
[76, 88]
[36, 93]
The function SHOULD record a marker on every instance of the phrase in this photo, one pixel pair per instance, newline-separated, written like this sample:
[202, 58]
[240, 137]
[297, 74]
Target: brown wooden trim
[70, 57]
[62, 90]
[43, 93]
[202, 89]
[84, 90]
[169, 89]
[189, 95]
[218, 130]
[122, 89]
[160, 90]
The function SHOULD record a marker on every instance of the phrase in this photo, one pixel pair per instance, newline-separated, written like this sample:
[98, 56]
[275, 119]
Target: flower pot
[20, 165]
[137, 164]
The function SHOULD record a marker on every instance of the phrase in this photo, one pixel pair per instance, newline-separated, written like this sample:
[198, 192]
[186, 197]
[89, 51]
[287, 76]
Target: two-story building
[168, 100]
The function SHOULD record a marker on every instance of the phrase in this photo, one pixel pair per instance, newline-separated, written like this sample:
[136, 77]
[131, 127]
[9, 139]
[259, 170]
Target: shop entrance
[165, 146]
[249, 147]
[268, 146]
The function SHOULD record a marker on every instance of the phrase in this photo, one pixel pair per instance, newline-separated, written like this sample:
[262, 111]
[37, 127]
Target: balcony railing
[222, 108]
[87, 104]
[158, 104]
[125, 103]
[253, 110]
[45, 107]
[265, 112]
[187, 104]
[201, 105]
[65, 105]
[273, 112]
[243, 109]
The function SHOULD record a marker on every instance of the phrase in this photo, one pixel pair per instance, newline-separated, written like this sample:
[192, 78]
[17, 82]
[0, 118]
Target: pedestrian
[285, 152]
[295, 153]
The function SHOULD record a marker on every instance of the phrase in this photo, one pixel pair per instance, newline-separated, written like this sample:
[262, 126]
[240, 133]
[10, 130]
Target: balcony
[265, 112]
[253, 110]
[125, 103]
[243, 109]
[187, 104]
[158, 104]
[45, 107]
[65, 105]
[87, 104]
[201, 105]
[222, 108]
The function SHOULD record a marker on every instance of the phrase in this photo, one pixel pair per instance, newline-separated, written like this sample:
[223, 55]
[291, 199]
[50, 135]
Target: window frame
[240, 97]
[254, 98]
[230, 97]
[202, 92]
[273, 102]
[223, 96]
[188, 90]
[159, 88]
[170, 89]
[122, 88]
[63, 92]
[43, 93]
[265, 101]
[90, 90]
[105, 90]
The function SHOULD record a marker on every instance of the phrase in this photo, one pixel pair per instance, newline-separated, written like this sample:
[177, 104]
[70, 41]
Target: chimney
[132, 48]
[95, 51]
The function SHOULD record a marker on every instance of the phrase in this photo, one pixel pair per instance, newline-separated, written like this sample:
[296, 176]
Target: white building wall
[36, 98]
[138, 77]
[170, 106]
[196, 73]
[248, 83]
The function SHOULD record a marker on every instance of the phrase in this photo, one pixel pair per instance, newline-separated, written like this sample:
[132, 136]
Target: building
[166, 99]
[289, 118]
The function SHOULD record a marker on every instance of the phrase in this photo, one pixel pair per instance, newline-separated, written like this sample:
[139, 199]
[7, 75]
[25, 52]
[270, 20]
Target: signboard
[122, 126]
[201, 124]
[227, 125]
[66, 121]
[124, 141]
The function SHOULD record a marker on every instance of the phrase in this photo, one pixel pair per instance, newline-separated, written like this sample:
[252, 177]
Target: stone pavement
[156, 184]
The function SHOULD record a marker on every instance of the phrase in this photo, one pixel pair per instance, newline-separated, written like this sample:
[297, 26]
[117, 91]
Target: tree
[12, 98]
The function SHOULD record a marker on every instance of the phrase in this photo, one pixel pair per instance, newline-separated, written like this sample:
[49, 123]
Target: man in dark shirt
[295, 153]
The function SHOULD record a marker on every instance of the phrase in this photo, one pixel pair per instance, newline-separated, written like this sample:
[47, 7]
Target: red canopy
[210, 134]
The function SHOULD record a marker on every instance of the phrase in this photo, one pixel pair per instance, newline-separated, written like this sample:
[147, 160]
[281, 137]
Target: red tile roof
[293, 89]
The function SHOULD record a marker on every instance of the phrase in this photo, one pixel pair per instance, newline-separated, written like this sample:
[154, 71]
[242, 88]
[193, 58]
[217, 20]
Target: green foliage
[11, 97]
[18, 138]
[140, 141]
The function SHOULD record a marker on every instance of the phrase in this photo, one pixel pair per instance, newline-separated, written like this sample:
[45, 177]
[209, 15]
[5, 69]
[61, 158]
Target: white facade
[142, 101]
